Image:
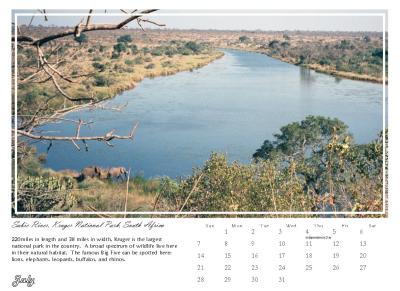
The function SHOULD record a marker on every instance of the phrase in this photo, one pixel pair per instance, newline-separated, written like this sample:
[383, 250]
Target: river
[230, 106]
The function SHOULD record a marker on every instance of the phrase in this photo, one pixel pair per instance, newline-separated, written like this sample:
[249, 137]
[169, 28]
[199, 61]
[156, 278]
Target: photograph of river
[180, 118]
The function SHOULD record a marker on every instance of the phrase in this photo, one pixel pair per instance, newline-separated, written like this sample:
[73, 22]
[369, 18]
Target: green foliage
[170, 51]
[366, 38]
[115, 55]
[120, 47]
[184, 51]
[103, 81]
[221, 186]
[273, 43]
[129, 62]
[329, 163]
[145, 50]
[157, 51]
[302, 59]
[150, 66]
[244, 38]
[313, 165]
[312, 133]
[378, 53]
[285, 44]
[345, 44]
[324, 61]
[124, 39]
[134, 49]
[82, 38]
[193, 46]
[98, 66]
[138, 60]
[38, 193]
[166, 64]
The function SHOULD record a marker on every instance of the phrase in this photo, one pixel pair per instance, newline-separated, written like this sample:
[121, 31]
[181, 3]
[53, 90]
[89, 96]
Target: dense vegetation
[311, 165]
[356, 56]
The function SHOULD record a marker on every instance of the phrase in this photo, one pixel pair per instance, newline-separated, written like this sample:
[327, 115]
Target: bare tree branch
[107, 137]
[48, 68]
[83, 28]
[149, 21]
[89, 17]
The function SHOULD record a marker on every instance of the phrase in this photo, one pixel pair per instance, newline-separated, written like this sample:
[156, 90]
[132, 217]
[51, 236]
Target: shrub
[184, 51]
[193, 46]
[377, 53]
[98, 66]
[120, 47]
[158, 51]
[145, 50]
[150, 66]
[273, 44]
[366, 38]
[170, 52]
[345, 44]
[285, 44]
[124, 38]
[138, 60]
[324, 62]
[103, 81]
[129, 62]
[166, 64]
[333, 174]
[134, 49]
[244, 38]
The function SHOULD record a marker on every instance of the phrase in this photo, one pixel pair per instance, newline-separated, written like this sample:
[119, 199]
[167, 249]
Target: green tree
[244, 38]
[119, 47]
[124, 38]
[193, 46]
[300, 138]
[134, 49]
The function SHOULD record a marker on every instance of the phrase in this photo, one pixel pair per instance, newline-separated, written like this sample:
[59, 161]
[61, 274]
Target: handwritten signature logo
[29, 281]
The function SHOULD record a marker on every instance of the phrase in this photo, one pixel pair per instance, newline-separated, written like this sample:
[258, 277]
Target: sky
[363, 20]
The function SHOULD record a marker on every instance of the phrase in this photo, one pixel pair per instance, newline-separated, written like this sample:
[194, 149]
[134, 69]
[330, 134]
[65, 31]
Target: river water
[230, 106]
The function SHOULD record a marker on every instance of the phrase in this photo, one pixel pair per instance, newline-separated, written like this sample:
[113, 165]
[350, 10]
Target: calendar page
[200, 146]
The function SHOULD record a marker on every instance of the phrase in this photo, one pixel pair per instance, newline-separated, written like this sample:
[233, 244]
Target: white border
[383, 212]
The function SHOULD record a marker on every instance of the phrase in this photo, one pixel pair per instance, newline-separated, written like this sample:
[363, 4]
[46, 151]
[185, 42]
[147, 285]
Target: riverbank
[159, 66]
[329, 70]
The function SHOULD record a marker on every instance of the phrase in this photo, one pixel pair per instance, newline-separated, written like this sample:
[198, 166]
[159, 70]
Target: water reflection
[306, 76]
